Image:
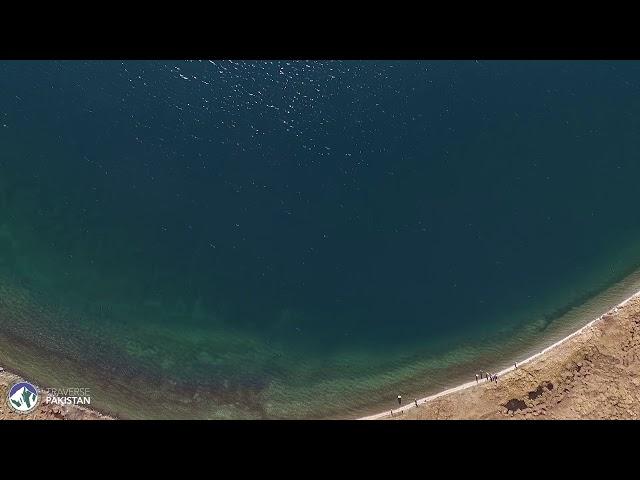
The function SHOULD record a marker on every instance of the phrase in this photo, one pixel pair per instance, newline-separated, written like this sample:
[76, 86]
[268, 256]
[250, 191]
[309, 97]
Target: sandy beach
[594, 373]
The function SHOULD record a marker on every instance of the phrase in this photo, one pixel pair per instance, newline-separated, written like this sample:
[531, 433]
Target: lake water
[304, 239]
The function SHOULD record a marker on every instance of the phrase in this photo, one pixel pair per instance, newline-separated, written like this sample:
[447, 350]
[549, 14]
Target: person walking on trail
[476, 378]
[515, 365]
[399, 400]
[416, 401]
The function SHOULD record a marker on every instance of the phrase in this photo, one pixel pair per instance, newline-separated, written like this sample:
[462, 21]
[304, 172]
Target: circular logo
[23, 397]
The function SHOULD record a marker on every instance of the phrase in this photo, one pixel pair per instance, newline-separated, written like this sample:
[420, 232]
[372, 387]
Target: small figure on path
[476, 378]
[399, 400]
[515, 365]
[416, 400]
[496, 378]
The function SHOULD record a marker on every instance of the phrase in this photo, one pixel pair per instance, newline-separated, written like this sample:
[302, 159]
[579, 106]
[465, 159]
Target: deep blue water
[308, 228]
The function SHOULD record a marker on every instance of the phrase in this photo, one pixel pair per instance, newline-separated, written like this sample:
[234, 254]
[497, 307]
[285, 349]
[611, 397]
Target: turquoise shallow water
[305, 239]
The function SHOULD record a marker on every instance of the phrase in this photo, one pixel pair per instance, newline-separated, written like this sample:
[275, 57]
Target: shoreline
[7, 377]
[422, 402]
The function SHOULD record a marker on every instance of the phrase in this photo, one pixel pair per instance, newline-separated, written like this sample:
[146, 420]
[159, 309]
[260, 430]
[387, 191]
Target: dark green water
[303, 239]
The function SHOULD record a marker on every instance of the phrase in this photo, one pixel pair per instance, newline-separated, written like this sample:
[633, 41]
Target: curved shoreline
[80, 412]
[467, 385]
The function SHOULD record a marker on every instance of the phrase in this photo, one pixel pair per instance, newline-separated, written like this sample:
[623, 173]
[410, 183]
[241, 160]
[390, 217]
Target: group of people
[488, 376]
[492, 376]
